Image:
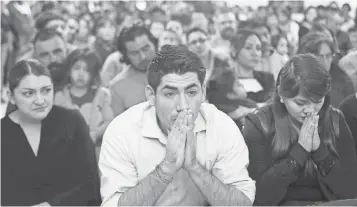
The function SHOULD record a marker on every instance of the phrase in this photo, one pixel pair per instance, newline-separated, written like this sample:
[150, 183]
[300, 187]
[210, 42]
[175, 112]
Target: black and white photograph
[178, 103]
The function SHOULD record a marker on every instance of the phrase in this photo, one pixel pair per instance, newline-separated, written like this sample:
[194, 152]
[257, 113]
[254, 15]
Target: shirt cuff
[299, 154]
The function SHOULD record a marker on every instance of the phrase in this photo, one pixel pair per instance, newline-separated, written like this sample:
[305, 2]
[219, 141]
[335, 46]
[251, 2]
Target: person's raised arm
[119, 174]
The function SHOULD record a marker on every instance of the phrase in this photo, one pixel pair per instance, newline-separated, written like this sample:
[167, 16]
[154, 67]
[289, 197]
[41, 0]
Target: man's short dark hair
[46, 34]
[254, 24]
[195, 29]
[129, 33]
[347, 5]
[174, 59]
[321, 7]
[45, 17]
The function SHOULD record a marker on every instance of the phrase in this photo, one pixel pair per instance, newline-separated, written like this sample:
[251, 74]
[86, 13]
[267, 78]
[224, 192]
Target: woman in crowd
[47, 157]
[83, 92]
[240, 89]
[301, 149]
[322, 46]
[84, 35]
[309, 16]
[349, 110]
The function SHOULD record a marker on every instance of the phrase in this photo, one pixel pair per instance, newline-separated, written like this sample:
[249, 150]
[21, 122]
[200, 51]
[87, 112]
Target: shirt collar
[150, 127]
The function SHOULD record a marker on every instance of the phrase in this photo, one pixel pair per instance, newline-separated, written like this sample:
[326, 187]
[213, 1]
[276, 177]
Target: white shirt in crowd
[133, 145]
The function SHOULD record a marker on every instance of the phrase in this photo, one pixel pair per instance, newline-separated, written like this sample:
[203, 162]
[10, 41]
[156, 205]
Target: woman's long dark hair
[302, 74]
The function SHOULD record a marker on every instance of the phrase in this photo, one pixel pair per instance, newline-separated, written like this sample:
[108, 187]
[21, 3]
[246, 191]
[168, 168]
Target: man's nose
[182, 103]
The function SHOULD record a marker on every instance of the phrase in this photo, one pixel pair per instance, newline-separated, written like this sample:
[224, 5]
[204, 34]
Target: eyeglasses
[200, 40]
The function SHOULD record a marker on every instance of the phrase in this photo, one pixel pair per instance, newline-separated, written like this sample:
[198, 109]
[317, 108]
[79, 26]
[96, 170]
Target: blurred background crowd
[95, 37]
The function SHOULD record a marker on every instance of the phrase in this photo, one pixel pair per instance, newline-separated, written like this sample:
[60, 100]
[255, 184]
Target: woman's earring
[281, 100]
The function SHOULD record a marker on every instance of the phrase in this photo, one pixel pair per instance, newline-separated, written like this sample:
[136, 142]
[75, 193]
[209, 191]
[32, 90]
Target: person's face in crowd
[299, 107]
[140, 52]
[325, 55]
[168, 38]
[311, 14]
[197, 43]
[262, 13]
[321, 12]
[33, 96]
[175, 94]
[107, 32]
[58, 25]
[334, 21]
[345, 11]
[322, 21]
[283, 19]
[227, 25]
[51, 51]
[156, 29]
[282, 46]
[175, 26]
[264, 34]
[71, 29]
[251, 53]
[83, 30]
[80, 76]
[272, 21]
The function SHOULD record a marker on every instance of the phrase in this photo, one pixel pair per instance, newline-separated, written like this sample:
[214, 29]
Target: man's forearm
[217, 193]
[146, 192]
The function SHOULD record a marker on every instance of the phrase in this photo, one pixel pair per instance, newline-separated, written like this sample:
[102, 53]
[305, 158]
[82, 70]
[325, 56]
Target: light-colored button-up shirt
[133, 145]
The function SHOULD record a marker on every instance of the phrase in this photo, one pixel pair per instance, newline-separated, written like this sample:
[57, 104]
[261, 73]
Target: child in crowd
[83, 93]
[280, 55]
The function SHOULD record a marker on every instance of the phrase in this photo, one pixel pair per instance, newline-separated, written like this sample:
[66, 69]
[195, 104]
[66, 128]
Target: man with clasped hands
[175, 149]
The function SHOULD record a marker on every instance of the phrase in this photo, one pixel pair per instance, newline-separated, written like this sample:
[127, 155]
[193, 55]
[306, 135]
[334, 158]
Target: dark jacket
[349, 109]
[341, 85]
[64, 172]
[280, 182]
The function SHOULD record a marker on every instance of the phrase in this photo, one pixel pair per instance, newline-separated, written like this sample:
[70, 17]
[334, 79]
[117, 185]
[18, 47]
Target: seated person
[83, 92]
[171, 150]
[47, 157]
[300, 148]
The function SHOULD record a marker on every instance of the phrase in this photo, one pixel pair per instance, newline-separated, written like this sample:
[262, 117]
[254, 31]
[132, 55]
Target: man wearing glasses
[138, 47]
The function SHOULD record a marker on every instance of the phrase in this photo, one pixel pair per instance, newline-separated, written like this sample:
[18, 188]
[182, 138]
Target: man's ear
[204, 92]
[150, 95]
[10, 97]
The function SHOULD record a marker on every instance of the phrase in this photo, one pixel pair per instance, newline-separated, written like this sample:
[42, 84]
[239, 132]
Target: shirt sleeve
[232, 161]
[118, 172]
[117, 102]
[110, 69]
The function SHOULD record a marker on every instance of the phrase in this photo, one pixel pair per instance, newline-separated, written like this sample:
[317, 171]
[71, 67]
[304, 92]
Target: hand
[191, 143]
[306, 133]
[316, 138]
[175, 147]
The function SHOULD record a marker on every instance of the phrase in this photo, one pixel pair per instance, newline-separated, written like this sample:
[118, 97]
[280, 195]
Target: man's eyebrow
[175, 88]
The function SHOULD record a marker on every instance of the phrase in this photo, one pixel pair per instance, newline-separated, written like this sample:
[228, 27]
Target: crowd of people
[177, 103]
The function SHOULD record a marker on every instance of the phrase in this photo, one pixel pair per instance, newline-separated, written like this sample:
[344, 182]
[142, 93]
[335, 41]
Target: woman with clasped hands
[301, 150]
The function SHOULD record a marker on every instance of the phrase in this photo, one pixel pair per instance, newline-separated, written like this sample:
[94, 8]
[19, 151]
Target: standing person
[47, 157]
[85, 94]
[200, 164]
[322, 46]
[138, 47]
[299, 144]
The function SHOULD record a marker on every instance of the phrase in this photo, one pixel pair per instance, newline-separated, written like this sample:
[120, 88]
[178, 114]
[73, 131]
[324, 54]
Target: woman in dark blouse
[240, 89]
[300, 148]
[47, 156]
